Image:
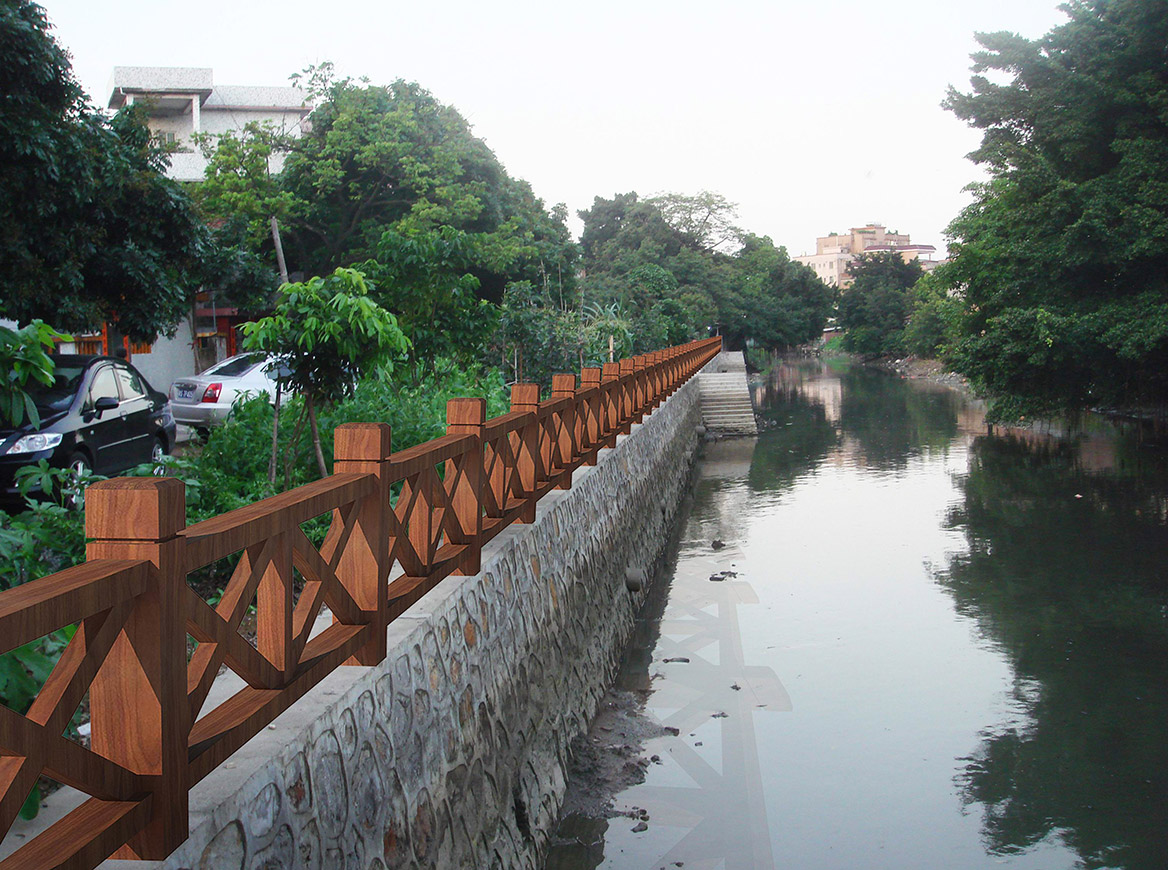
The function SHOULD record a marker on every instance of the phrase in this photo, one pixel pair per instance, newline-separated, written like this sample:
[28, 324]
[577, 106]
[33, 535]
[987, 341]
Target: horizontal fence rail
[400, 523]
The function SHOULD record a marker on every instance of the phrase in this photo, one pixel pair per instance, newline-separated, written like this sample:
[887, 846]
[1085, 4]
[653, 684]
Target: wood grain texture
[134, 609]
[32, 610]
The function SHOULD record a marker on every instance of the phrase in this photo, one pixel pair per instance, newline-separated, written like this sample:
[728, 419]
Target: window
[236, 366]
[104, 384]
[131, 384]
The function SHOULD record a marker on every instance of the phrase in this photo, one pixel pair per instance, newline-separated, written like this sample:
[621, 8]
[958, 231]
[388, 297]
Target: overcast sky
[813, 116]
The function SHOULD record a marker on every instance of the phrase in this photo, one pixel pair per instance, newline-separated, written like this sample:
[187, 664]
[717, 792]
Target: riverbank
[917, 368]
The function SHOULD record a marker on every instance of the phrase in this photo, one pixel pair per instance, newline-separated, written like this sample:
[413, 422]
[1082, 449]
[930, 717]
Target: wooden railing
[400, 523]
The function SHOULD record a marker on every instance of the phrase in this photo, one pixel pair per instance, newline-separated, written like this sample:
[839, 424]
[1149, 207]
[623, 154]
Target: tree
[935, 316]
[706, 219]
[394, 157]
[91, 230]
[660, 258]
[425, 277]
[779, 303]
[327, 332]
[24, 358]
[874, 308]
[237, 198]
[1062, 258]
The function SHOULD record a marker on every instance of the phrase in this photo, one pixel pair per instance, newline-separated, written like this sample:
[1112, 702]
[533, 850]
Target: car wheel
[157, 454]
[80, 465]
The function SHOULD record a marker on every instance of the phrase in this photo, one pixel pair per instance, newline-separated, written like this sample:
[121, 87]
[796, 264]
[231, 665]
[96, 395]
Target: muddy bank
[917, 368]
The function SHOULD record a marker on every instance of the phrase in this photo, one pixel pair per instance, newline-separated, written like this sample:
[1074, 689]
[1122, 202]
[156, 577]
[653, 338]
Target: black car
[99, 413]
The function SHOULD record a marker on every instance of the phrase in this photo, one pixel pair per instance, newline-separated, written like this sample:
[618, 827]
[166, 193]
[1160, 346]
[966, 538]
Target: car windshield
[236, 366]
[59, 396]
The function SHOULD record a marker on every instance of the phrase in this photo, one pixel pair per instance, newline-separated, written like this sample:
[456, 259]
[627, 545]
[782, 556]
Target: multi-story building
[184, 101]
[835, 252]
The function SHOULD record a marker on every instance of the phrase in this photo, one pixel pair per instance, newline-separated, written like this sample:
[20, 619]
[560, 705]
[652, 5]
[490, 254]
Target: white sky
[812, 116]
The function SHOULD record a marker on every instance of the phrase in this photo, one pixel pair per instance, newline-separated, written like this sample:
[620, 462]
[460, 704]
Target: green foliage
[238, 198]
[936, 315]
[414, 404]
[705, 220]
[328, 331]
[666, 260]
[239, 183]
[24, 357]
[426, 278]
[231, 468]
[43, 538]
[1068, 240]
[392, 157]
[873, 310]
[91, 230]
[541, 339]
[777, 303]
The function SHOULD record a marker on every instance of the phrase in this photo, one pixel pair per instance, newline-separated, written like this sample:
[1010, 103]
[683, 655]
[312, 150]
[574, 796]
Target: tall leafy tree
[875, 307]
[91, 230]
[393, 157]
[1062, 258]
[779, 303]
[680, 265]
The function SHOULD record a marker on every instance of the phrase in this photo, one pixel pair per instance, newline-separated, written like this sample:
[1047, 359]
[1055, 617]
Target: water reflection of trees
[1065, 572]
[893, 419]
[797, 435]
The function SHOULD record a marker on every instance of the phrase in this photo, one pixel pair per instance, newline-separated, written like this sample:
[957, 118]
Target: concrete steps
[726, 405]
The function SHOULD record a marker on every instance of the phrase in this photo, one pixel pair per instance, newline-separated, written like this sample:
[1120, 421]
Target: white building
[834, 253]
[183, 101]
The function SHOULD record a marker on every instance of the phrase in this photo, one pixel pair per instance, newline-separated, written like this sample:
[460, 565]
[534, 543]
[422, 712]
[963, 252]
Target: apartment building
[183, 101]
[835, 252]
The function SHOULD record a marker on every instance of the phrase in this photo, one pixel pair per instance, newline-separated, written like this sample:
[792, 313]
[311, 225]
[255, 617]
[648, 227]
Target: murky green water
[938, 648]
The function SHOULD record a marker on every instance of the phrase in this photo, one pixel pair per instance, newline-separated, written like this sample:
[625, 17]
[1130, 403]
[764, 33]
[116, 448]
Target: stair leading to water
[726, 405]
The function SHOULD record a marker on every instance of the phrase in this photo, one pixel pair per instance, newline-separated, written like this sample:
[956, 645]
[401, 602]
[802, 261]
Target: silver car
[205, 400]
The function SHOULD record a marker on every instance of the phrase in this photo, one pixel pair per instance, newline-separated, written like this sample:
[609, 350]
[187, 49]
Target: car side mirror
[105, 403]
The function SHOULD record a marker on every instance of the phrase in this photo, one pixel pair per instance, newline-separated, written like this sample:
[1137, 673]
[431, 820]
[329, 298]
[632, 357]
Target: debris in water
[717, 545]
[721, 715]
[736, 687]
[639, 827]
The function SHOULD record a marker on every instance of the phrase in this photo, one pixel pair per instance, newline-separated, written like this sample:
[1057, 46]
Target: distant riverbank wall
[453, 751]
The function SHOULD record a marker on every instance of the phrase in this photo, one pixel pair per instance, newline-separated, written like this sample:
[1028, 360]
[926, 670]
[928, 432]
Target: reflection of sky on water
[898, 703]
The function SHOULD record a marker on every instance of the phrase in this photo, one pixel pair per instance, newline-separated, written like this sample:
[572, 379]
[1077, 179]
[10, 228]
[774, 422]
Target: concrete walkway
[726, 405]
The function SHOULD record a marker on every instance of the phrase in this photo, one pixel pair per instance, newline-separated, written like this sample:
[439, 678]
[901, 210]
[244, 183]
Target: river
[888, 639]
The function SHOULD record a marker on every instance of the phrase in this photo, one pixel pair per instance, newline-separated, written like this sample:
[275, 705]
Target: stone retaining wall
[453, 751]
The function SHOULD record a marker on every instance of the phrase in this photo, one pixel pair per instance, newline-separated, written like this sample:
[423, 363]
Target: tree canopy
[680, 266]
[1062, 258]
[91, 230]
[393, 157]
[873, 309]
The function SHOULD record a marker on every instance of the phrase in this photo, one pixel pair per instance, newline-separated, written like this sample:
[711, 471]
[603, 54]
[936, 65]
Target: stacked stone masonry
[453, 751]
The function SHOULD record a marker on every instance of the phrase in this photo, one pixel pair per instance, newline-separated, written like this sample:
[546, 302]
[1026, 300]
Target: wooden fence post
[525, 398]
[637, 390]
[627, 380]
[138, 700]
[363, 569]
[591, 426]
[564, 387]
[466, 417]
[610, 406]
